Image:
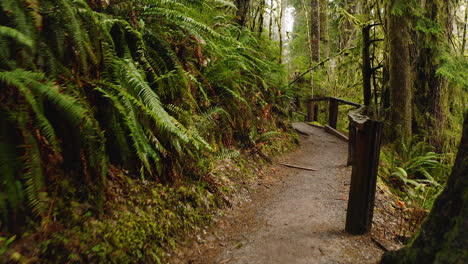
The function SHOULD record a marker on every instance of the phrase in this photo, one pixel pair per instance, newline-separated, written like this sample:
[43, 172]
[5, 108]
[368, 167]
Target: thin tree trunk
[270, 25]
[464, 30]
[242, 11]
[261, 19]
[309, 42]
[400, 75]
[347, 27]
[315, 30]
[280, 30]
[324, 38]
[254, 19]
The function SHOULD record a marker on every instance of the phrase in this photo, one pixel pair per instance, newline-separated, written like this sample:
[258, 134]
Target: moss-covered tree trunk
[347, 28]
[443, 237]
[400, 73]
[324, 38]
[242, 11]
[431, 41]
[315, 30]
[262, 18]
[280, 30]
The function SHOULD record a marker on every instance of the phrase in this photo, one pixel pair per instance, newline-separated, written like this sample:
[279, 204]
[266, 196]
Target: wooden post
[365, 161]
[351, 141]
[316, 112]
[311, 114]
[333, 113]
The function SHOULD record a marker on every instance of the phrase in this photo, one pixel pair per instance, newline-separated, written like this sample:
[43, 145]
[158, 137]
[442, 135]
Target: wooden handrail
[335, 98]
[312, 109]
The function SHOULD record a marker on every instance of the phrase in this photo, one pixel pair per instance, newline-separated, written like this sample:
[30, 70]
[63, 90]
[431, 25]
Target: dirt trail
[300, 220]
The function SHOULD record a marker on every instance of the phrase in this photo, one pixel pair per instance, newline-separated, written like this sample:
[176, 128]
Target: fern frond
[179, 19]
[34, 182]
[16, 36]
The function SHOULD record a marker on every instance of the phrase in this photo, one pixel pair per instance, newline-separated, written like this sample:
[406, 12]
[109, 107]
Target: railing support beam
[333, 113]
[311, 113]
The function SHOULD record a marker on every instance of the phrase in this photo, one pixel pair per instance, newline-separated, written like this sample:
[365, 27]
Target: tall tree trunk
[280, 30]
[463, 47]
[270, 25]
[315, 30]
[347, 27]
[314, 39]
[261, 19]
[444, 235]
[400, 74]
[242, 11]
[324, 38]
[430, 88]
[254, 19]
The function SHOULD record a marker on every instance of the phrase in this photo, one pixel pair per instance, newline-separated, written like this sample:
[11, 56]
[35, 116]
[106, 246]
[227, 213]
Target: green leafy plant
[416, 171]
[4, 243]
[152, 88]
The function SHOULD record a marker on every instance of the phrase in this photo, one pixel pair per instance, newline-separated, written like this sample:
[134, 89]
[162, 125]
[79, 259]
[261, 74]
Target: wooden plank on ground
[298, 167]
[314, 125]
[335, 132]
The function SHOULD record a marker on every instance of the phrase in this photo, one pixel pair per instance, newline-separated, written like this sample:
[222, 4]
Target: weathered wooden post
[311, 114]
[316, 112]
[365, 160]
[351, 141]
[333, 112]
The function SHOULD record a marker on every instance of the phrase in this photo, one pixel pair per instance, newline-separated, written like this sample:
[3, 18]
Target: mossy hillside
[144, 220]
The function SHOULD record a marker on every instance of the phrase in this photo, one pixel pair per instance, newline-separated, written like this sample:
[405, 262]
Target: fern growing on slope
[148, 87]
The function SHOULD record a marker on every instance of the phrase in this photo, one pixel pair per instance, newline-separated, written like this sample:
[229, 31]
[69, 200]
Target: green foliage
[416, 172]
[152, 88]
[454, 68]
[4, 243]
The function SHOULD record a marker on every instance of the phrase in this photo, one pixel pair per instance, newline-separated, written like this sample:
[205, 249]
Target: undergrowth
[416, 175]
[142, 220]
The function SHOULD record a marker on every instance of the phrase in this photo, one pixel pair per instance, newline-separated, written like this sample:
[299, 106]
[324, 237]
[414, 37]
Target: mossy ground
[143, 220]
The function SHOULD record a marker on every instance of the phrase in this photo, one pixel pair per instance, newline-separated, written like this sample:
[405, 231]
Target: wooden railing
[312, 109]
[363, 154]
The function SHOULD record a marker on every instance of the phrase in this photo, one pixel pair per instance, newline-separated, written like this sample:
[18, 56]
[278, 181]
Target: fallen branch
[298, 167]
[380, 245]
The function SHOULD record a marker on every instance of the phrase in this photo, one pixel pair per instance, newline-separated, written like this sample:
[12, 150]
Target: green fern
[17, 36]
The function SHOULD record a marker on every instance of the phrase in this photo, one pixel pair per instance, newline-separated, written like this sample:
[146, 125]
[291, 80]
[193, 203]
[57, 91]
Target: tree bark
[270, 25]
[324, 38]
[463, 47]
[261, 19]
[400, 74]
[242, 11]
[280, 31]
[443, 237]
[430, 87]
[347, 27]
[315, 30]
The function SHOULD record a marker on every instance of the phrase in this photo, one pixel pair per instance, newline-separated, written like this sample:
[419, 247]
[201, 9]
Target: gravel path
[301, 219]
